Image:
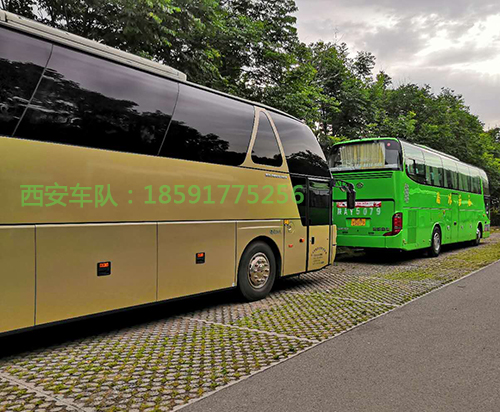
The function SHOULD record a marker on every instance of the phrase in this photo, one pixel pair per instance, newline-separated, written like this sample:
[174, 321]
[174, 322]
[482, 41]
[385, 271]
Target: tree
[22, 7]
[250, 48]
[345, 103]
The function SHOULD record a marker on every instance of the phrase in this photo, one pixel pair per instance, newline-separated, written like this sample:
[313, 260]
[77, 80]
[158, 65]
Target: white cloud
[437, 42]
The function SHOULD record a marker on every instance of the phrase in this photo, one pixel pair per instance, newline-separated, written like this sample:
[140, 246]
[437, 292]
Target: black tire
[435, 248]
[257, 271]
[479, 235]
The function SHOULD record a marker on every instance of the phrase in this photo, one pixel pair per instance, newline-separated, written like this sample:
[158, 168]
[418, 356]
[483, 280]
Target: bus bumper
[378, 242]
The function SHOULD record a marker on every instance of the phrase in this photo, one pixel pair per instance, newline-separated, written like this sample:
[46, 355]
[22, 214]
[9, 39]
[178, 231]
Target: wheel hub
[259, 270]
[437, 242]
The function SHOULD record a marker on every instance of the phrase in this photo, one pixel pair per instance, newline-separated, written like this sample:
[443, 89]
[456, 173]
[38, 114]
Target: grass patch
[414, 275]
[473, 258]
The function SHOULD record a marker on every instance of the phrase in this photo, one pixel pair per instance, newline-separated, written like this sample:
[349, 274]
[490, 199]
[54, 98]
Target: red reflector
[104, 265]
[290, 245]
[200, 255]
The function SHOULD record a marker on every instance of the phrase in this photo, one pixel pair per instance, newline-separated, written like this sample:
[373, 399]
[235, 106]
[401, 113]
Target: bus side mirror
[351, 197]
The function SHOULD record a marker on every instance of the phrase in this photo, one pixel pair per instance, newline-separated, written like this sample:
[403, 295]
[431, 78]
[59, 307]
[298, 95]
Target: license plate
[358, 222]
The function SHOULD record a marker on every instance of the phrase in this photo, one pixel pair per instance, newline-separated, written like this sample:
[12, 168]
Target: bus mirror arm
[351, 197]
[348, 188]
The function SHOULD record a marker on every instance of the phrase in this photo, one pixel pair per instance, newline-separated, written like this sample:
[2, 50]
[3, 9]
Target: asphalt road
[438, 353]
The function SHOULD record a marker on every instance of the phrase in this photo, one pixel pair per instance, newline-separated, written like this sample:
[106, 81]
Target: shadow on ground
[390, 257]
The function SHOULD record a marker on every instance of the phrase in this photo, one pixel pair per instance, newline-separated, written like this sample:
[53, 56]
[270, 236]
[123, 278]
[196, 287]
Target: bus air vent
[364, 175]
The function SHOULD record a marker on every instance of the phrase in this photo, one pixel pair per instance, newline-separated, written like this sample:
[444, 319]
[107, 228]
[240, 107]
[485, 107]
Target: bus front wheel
[435, 248]
[257, 271]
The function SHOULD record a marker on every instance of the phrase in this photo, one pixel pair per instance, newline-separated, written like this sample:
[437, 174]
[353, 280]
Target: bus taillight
[397, 225]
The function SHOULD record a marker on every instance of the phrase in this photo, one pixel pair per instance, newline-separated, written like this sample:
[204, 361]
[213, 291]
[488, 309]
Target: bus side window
[473, 188]
[22, 60]
[433, 169]
[478, 185]
[476, 180]
[208, 127]
[416, 169]
[451, 175]
[265, 150]
[415, 166]
[464, 182]
[484, 181]
[87, 101]
[448, 179]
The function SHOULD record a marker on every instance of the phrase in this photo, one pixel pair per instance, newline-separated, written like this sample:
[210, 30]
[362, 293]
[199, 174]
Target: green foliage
[22, 7]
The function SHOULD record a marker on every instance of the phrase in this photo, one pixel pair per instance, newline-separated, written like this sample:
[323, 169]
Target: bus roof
[368, 139]
[95, 48]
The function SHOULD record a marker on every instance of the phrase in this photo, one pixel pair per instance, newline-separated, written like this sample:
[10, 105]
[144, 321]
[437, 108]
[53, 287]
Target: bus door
[319, 219]
[308, 239]
[455, 218]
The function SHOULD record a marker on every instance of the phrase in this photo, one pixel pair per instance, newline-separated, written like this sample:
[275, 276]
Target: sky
[443, 43]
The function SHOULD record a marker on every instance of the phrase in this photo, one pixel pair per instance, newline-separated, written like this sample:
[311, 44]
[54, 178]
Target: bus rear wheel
[435, 248]
[257, 271]
[479, 235]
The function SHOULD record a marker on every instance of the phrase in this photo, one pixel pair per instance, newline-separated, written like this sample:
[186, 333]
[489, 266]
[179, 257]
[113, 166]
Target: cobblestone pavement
[163, 362]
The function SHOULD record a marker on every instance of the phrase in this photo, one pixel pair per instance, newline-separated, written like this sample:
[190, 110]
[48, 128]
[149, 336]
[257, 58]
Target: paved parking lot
[163, 357]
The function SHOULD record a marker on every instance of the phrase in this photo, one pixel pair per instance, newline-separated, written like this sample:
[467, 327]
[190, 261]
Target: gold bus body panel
[333, 243]
[46, 164]
[179, 243]
[17, 277]
[67, 256]
[295, 248]
[272, 230]
[319, 250]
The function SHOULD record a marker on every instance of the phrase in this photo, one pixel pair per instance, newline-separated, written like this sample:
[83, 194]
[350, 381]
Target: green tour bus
[407, 197]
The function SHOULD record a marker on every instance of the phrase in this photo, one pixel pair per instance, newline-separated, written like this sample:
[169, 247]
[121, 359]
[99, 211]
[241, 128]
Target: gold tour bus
[122, 184]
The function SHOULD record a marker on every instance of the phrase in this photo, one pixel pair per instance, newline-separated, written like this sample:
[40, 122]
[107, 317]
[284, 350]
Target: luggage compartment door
[70, 281]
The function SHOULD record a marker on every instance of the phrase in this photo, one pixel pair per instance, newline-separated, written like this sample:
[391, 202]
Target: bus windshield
[379, 154]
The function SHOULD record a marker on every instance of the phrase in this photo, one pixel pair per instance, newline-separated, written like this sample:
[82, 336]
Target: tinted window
[265, 149]
[450, 174]
[302, 150]
[475, 180]
[476, 184]
[433, 169]
[415, 166]
[300, 186]
[87, 101]
[392, 154]
[484, 181]
[320, 203]
[464, 177]
[209, 128]
[22, 60]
